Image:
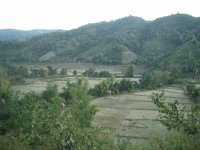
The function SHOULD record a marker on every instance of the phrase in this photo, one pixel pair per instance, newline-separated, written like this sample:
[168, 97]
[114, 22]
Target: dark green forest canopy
[167, 42]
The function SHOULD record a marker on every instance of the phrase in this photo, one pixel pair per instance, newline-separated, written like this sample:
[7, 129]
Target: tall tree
[129, 71]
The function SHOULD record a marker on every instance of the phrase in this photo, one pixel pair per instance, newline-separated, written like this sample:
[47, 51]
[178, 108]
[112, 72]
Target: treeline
[156, 79]
[128, 72]
[19, 73]
[151, 80]
[34, 72]
[112, 87]
[92, 73]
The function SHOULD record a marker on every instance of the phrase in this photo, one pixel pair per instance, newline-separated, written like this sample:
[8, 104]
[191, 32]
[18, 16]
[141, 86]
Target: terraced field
[134, 115]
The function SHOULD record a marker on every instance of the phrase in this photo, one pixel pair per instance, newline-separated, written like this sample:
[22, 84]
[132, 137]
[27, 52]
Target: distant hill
[166, 42]
[13, 34]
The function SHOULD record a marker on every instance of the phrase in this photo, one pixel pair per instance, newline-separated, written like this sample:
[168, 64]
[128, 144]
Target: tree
[193, 91]
[43, 72]
[173, 116]
[35, 72]
[81, 109]
[52, 71]
[17, 71]
[34, 122]
[4, 87]
[111, 86]
[90, 73]
[125, 85]
[66, 93]
[101, 89]
[2, 72]
[63, 72]
[156, 79]
[7, 96]
[75, 73]
[105, 73]
[51, 91]
[129, 71]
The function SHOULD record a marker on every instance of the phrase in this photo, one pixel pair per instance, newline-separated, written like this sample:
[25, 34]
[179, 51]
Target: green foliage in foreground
[51, 92]
[172, 141]
[174, 116]
[45, 122]
[185, 128]
[81, 110]
[35, 122]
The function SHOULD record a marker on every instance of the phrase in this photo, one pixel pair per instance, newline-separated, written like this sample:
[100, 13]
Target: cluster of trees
[112, 57]
[193, 92]
[92, 73]
[43, 121]
[112, 87]
[43, 72]
[151, 80]
[63, 72]
[23, 72]
[129, 71]
[17, 71]
[156, 79]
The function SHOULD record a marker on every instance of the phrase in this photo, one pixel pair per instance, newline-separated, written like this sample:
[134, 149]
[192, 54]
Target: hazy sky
[68, 14]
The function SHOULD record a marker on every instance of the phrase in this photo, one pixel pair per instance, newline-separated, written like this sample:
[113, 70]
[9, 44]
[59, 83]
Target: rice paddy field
[134, 116]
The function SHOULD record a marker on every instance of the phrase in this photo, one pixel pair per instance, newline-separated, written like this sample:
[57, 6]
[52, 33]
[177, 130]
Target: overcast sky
[69, 14]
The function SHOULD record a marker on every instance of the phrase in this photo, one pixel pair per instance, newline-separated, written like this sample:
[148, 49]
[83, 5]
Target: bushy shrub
[51, 91]
[156, 79]
[34, 122]
[173, 116]
[193, 92]
[92, 73]
[129, 71]
[112, 87]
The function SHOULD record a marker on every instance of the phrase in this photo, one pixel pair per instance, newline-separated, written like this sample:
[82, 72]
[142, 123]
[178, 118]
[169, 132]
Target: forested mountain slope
[167, 41]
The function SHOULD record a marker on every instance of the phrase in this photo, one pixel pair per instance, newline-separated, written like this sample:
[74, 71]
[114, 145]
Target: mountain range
[170, 41]
[14, 34]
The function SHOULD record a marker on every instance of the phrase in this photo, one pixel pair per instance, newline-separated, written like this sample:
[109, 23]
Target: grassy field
[134, 115]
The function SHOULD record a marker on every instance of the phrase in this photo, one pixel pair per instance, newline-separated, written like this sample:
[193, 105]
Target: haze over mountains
[14, 34]
[165, 41]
